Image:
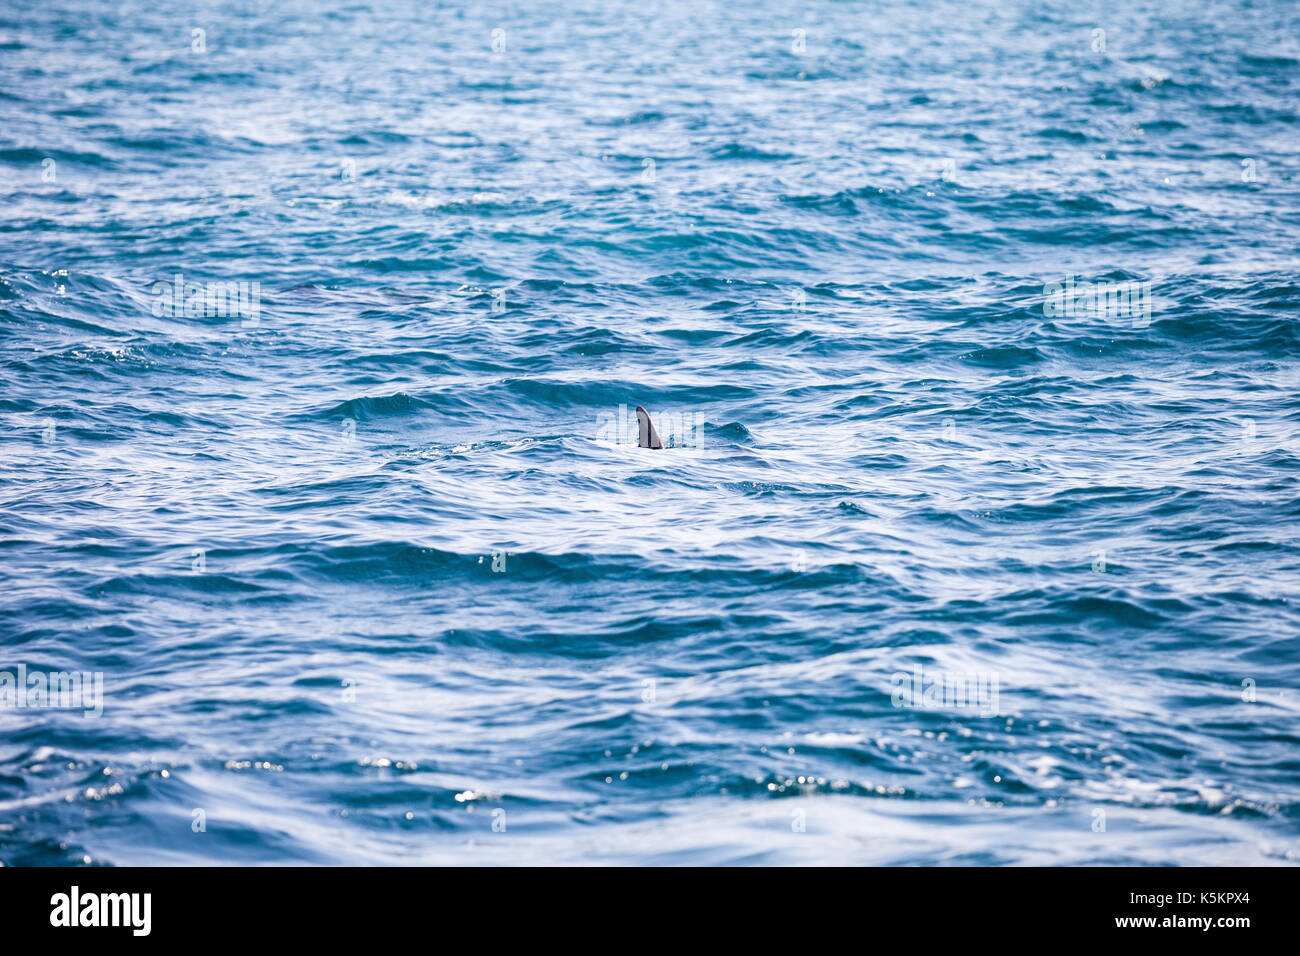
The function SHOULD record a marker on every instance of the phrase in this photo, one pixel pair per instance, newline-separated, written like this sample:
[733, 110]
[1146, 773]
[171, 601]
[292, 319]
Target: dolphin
[647, 436]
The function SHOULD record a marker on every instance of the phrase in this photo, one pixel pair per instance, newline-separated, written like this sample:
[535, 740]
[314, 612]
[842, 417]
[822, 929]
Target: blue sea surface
[950, 563]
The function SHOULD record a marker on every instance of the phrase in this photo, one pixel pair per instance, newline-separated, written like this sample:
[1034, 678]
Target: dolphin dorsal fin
[647, 436]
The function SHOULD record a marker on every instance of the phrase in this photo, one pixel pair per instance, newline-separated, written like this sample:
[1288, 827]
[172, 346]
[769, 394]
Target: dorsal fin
[647, 436]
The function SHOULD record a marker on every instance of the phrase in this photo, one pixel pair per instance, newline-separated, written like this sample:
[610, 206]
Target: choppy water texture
[368, 583]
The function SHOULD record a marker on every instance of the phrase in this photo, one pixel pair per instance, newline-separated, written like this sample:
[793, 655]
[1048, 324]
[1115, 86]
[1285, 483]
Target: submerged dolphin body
[647, 436]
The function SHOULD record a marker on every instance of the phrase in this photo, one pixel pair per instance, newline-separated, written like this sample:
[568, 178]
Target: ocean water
[976, 322]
